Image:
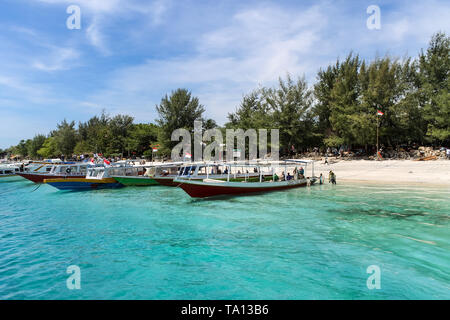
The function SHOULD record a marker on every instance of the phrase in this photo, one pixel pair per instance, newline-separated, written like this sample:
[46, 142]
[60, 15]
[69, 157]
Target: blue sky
[130, 53]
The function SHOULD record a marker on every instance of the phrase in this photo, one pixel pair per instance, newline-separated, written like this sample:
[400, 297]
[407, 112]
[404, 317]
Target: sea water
[158, 243]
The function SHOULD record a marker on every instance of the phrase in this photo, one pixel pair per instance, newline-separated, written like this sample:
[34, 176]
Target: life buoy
[68, 170]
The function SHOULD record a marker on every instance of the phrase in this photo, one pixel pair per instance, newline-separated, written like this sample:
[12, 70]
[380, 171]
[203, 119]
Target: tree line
[338, 110]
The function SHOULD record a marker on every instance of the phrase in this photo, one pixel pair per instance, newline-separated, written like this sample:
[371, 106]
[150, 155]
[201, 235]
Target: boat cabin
[6, 171]
[70, 169]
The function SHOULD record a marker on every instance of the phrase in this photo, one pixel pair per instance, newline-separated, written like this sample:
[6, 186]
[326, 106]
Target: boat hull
[198, 189]
[170, 181]
[136, 181]
[39, 178]
[83, 184]
[166, 181]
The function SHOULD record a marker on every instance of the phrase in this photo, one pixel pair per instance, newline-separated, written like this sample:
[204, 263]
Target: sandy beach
[388, 171]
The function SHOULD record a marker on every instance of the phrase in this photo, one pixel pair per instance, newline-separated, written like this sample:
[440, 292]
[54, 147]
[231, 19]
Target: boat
[8, 170]
[39, 171]
[96, 178]
[213, 187]
[166, 174]
[135, 176]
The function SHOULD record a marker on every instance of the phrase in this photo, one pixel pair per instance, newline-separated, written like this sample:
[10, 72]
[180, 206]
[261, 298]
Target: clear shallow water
[157, 243]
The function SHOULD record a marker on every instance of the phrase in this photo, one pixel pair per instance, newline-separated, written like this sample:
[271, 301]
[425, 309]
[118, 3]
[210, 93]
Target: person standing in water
[332, 178]
[321, 179]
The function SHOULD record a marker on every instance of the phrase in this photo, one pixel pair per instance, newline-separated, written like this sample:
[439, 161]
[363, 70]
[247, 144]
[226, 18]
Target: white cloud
[96, 38]
[58, 59]
[102, 13]
[257, 47]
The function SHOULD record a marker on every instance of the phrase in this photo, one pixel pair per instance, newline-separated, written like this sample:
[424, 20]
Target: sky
[128, 54]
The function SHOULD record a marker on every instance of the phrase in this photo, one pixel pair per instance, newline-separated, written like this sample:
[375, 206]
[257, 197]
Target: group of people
[331, 178]
[297, 174]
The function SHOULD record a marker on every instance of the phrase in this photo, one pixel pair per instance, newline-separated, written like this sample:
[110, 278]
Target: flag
[379, 113]
[155, 149]
[188, 155]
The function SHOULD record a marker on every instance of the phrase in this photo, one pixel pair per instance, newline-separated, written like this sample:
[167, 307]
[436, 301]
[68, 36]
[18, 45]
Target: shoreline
[392, 172]
[393, 183]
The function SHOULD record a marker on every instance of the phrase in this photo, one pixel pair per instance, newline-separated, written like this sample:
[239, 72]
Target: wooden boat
[135, 176]
[55, 171]
[8, 170]
[96, 178]
[213, 187]
[136, 180]
[166, 174]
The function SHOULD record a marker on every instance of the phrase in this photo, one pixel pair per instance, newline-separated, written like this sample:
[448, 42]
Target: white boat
[8, 170]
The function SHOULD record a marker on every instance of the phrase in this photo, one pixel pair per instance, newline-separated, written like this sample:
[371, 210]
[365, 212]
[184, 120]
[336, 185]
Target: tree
[21, 149]
[65, 137]
[291, 104]
[34, 145]
[434, 69]
[118, 133]
[346, 120]
[286, 107]
[82, 147]
[180, 110]
[141, 137]
[49, 148]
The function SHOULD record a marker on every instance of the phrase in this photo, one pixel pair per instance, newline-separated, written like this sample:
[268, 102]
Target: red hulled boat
[212, 188]
[52, 171]
[265, 183]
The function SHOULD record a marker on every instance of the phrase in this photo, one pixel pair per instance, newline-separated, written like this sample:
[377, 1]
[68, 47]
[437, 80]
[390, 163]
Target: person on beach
[332, 177]
[321, 179]
[326, 159]
[448, 154]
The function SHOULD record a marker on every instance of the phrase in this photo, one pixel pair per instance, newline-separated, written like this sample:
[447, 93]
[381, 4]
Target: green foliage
[65, 137]
[286, 107]
[82, 147]
[141, 137]
[180, 110]
[34, 145]
[434, 70]
[340, 109]
[49, 148]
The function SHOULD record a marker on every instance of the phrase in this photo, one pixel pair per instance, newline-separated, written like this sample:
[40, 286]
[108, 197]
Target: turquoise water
[157, 243]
